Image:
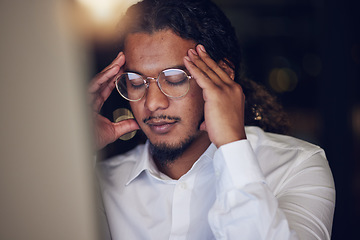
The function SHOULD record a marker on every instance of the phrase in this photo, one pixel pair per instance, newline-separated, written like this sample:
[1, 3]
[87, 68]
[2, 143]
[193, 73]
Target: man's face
[164, 120]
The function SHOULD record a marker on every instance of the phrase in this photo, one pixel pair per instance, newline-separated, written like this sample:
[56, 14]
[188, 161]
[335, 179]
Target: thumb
[203, 126]
[125, 126]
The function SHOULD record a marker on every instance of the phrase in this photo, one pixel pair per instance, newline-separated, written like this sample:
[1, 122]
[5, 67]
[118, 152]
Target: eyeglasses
[174, 83]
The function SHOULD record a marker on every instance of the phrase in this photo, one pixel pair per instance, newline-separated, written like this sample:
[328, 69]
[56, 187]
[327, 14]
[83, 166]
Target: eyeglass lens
[172, 82]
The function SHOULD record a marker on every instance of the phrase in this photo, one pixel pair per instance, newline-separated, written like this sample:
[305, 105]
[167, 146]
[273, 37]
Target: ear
[228, 67]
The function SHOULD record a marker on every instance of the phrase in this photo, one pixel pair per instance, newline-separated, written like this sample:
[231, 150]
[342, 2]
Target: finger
[102, 85]
[214, 66]
[200, 77]
[107, 74]
[116, 61]
[201, 65]
[102, 89]
[203, 126]
[103, 80]
[125, 126]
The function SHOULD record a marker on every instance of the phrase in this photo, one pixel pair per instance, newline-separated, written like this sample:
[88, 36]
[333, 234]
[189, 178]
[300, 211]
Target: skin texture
[149, 55]
[99, 90]
[213, 94]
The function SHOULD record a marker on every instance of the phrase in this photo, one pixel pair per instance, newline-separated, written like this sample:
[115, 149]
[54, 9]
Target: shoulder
[284, 159]
[260, 139]
[277, 149]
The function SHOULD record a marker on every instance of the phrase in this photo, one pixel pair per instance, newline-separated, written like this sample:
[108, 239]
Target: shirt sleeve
[246, 208]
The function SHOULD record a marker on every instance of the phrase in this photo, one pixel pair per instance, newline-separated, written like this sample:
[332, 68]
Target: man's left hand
[224, 98]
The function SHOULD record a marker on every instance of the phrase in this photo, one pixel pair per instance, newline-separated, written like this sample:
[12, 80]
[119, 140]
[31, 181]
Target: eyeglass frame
[147, 83]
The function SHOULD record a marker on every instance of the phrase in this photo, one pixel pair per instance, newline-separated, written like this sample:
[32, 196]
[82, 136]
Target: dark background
[307, 53]
[319, 42]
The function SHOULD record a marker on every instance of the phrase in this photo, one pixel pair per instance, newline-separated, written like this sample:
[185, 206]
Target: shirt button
[183, 185]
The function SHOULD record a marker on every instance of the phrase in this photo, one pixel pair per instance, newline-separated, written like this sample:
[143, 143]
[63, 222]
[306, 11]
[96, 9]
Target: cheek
[196, 105]
[136, 110]
[196, 96]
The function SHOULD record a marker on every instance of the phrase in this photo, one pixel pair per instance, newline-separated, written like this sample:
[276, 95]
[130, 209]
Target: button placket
[181, 209]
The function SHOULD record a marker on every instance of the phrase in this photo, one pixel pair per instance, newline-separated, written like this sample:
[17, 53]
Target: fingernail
[113, 66]
[193, 52]
[187, 58]
[120, 53]
[202, 48]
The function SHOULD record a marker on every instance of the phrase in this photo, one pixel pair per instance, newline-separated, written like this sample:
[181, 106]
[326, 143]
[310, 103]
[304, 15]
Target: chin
[174, 139]
[170, 142]
[166, 152]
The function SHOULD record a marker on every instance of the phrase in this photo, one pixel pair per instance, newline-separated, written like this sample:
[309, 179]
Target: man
[202, 174]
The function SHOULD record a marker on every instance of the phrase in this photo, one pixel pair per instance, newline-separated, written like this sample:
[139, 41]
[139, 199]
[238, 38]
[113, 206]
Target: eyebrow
[182, 67]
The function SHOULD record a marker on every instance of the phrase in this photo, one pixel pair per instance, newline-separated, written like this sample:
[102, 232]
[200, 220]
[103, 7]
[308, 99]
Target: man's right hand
[99, 90]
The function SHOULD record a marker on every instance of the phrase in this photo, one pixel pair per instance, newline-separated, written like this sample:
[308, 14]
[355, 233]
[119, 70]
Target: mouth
[161, 125]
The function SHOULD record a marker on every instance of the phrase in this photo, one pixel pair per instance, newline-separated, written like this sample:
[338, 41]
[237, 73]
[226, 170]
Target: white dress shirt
[269, 186]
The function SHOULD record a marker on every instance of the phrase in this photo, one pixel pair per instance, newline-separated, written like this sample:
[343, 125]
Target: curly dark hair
[204, 22]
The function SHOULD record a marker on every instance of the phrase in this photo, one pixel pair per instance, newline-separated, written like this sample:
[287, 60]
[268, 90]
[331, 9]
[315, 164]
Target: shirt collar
[145, 163]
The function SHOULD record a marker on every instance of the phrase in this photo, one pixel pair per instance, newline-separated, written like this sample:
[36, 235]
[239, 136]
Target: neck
[183, 164]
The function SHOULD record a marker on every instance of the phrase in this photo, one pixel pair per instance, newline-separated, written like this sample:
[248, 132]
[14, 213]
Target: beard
[165, 154]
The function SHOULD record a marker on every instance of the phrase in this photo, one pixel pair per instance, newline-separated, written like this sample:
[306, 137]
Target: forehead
[151, 53]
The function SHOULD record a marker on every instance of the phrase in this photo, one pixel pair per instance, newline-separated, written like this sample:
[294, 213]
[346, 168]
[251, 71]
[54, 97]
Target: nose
[155, 99]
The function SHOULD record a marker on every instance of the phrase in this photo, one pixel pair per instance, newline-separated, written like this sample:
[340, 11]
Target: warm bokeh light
[97, 19]
[102, 11]
[283, 79]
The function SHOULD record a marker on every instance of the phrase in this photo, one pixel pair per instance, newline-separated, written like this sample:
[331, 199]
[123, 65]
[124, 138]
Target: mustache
[164, 117]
